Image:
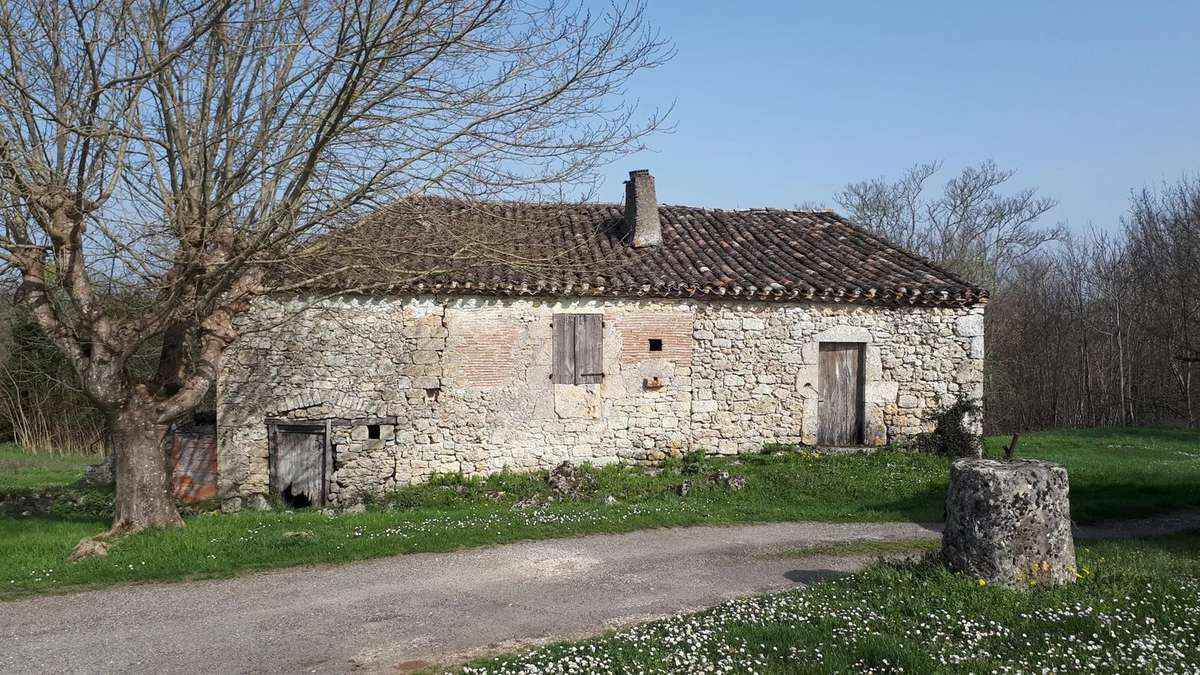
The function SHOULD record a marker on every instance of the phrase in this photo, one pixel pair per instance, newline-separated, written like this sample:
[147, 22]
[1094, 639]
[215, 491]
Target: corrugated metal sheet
[194, 458]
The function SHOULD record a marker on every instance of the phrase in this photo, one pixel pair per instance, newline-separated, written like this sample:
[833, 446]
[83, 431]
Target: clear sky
[779, 103]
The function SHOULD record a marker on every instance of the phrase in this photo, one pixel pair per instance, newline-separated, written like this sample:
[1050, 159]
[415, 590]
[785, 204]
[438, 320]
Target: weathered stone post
[1009, 522]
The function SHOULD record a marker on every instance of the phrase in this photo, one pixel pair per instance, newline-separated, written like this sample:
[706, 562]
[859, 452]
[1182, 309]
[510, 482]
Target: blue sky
[778, 103]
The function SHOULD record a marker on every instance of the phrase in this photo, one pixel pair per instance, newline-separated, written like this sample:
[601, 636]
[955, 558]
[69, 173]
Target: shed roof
[583, 249]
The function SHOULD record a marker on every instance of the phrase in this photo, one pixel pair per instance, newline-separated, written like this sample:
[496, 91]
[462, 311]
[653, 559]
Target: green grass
[1120, 473]
[24, 472]
[1113, 475]
[1136, 609]
[455, 513]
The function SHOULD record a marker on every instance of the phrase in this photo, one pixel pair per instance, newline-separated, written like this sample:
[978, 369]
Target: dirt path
[379, 613]
[396, 613]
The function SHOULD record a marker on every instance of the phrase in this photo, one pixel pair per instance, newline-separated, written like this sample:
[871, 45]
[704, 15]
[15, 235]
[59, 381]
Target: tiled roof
[579, 250]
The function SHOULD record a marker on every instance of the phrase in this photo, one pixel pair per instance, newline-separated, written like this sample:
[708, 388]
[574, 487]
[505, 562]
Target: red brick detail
[674, 329]
[479, 351]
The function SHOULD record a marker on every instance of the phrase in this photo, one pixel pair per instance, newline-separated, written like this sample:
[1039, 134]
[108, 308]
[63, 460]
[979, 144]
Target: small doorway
[300, 463]
[193, 461]
[840, 389]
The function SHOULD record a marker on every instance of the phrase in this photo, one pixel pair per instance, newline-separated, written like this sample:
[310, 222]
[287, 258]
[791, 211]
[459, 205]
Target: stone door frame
[876, 393]
[325, 428]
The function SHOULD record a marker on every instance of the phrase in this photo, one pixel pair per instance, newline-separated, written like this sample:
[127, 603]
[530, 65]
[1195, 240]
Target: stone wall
[755, 371]
[463, 384]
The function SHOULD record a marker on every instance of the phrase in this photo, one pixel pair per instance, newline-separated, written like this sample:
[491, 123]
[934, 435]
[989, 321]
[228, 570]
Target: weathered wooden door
[194, 465]
[298, 464]
[840, 385]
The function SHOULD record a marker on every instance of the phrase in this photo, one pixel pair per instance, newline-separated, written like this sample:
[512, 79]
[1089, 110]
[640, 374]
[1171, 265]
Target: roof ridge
[528, 202]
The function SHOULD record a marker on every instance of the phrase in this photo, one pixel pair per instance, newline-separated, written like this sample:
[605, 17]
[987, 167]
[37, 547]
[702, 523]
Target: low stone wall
[28, 505]
[463, 383]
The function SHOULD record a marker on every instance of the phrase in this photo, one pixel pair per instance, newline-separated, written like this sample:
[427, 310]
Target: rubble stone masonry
[464, 383]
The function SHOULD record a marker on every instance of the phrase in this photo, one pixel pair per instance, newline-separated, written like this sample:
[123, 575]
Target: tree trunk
[144, 496]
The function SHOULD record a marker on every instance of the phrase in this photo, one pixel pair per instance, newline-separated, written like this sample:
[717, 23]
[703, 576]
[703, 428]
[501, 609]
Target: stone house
[714, 330]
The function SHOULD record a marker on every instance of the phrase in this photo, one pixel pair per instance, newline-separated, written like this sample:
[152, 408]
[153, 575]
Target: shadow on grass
[1092, 501]
[1105, 502]
[926, 506]
[807, 577]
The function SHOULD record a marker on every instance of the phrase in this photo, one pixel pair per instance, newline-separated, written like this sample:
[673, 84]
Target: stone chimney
[641, 210]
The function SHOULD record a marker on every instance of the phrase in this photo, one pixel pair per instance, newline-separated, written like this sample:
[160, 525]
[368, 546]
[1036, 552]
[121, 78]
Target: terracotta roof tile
[754, 254]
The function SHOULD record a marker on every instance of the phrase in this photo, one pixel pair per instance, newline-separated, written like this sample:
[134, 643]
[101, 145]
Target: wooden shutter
[589, 352]
[578, 349]
[564, 349]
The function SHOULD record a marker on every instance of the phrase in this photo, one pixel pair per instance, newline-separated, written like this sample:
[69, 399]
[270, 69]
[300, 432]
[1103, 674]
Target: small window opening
[656, 344]
[372, 431]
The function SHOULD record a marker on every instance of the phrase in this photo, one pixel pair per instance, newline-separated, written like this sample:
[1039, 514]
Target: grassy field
[1113, 475]
[24, 472]
[1120, 474]
[1136, 609]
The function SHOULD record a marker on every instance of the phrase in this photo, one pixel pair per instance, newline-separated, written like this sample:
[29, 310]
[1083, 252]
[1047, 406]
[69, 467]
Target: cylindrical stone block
[1009, 522]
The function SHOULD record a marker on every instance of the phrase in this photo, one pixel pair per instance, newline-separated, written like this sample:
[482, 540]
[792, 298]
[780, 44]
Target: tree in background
[972, 227]
[42, 407]
[1086, 329]
[1162, 260]
[189, 151]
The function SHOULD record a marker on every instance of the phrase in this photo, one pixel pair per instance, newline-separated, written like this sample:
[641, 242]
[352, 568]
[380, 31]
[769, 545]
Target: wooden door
[299, 463]
[194, 465]
[840, 387]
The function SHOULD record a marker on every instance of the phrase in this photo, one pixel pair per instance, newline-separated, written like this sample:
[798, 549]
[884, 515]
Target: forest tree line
[1083, 329]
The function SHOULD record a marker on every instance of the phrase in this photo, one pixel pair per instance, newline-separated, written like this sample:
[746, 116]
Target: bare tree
[1100, 329]
[1087, 330]
[184, 152]
[971, 227]
[42, 408]
[1163, 252]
